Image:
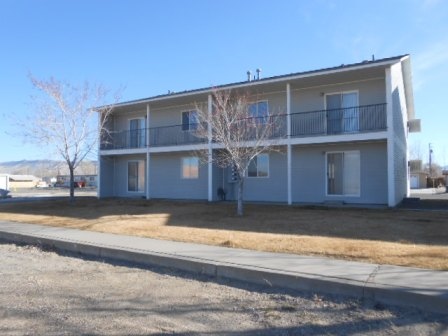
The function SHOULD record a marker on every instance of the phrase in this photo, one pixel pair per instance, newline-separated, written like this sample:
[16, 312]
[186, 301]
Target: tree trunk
[72, 184]
[239, 209]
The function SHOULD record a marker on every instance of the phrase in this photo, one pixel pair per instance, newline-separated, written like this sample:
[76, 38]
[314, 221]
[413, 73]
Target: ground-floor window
[344, 173]
[190, 167]
[136, 176]
[259, 166]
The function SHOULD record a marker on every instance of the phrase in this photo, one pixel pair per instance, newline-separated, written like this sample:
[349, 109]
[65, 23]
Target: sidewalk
[404, 286]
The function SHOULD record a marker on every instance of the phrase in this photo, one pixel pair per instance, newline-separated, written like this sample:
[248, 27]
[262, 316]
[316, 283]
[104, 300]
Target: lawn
[384, 236]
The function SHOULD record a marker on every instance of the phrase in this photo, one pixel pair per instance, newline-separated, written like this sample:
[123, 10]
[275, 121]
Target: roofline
[408, 88]
[268, 80]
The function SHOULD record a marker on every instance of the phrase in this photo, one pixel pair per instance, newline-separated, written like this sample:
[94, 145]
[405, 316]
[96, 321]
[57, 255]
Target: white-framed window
[259, 166]
[344, 173]
[190, 167]
[342, 112]
[137, 133]
[189, 120]
[259, 111]
[136, 176]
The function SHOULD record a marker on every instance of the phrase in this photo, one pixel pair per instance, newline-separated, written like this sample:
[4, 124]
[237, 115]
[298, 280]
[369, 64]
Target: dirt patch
[384, 236]
[42, 293]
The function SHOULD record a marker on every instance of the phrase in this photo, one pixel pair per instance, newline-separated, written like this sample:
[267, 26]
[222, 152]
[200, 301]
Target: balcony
[358, 119]
[124, 139]
[174, 136]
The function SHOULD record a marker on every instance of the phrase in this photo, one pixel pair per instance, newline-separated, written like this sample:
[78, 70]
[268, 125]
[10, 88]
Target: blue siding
[309, 173]
[166, 180]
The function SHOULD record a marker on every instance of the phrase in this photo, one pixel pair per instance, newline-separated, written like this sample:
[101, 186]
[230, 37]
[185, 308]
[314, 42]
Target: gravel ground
[43, 293]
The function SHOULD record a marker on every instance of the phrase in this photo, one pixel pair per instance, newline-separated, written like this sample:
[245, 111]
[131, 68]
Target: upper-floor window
[259, 166]
[342, 112]
[189, 120]
[259, 111]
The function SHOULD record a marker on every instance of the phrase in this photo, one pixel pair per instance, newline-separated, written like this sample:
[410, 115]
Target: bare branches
[242, 127]
[64, 119]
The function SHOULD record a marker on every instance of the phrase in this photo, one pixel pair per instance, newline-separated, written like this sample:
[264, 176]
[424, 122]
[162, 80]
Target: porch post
[288, 146]
[148, 155]
[390, 141]
[210, 151]
[98, 187]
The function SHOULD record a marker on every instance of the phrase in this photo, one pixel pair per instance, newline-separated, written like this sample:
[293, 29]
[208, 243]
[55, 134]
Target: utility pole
[430, 159]
[430, 164]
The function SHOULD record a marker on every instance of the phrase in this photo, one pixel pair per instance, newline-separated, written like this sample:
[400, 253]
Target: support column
[98, 187]
[148, 155]
[210, 150]
[390, 141]
[288, 146]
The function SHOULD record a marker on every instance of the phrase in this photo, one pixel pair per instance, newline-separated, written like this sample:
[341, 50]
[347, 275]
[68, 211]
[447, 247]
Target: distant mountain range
[45, 168]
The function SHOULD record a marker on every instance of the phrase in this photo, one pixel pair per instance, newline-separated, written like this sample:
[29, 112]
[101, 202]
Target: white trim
[125, 151]
[326, 173]
[288, 146]
[390, 140]
[269, 168]
[179, 148]
[148, 156]
[337, 138]
[210, 150]
[315, 73]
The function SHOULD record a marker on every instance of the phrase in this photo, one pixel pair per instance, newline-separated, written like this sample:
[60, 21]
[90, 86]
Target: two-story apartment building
[344, 139]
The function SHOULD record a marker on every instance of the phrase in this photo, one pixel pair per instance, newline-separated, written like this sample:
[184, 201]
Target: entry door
[335, 173]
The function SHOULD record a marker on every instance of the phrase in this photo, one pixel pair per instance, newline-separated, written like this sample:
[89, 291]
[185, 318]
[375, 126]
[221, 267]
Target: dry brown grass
[384, 236]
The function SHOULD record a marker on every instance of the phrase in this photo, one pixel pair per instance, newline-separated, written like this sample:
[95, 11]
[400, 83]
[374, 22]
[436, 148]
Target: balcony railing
[124, 139]
[175, 135]
[358, 119]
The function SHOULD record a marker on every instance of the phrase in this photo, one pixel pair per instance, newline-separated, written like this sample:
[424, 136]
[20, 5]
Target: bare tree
[415, 151]
[239, 134]
[64, 121]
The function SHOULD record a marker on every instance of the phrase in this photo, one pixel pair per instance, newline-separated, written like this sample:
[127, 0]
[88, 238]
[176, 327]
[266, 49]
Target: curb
[365, 290]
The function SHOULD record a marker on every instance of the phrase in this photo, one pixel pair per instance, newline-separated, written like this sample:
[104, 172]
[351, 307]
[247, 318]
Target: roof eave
[408, 89]
[275, 79]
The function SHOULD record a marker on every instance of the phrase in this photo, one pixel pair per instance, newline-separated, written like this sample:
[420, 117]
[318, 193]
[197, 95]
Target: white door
[414, 182]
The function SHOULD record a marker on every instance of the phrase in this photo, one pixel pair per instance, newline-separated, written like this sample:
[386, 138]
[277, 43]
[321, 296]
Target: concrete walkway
[404, 286]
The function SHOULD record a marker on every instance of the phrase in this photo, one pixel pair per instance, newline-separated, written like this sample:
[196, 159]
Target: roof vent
[248, 75]
[258, 73]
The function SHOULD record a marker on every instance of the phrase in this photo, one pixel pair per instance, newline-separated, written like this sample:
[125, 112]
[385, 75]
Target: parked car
[42, 184]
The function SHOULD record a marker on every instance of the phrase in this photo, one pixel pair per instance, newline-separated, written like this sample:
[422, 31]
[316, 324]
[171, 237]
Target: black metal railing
[357, 119]
[266, 127]
[124, 139]
[176, 135]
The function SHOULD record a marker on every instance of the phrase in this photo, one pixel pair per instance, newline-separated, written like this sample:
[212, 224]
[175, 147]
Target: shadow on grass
[394, 225]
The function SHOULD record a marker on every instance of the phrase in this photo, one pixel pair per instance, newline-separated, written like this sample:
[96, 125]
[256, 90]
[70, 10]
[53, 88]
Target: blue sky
[150, 47]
